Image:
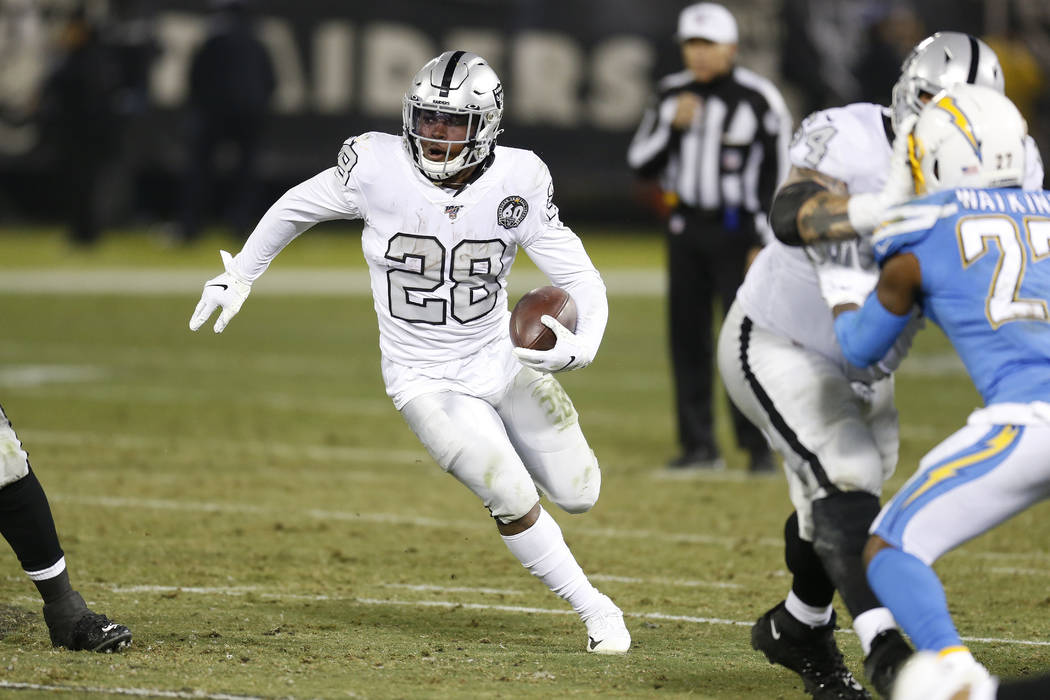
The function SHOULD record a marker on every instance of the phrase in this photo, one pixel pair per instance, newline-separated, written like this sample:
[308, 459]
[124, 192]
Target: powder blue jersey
[985, 261]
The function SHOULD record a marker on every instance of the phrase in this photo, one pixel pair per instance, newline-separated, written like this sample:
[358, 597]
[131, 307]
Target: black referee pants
[706, 263]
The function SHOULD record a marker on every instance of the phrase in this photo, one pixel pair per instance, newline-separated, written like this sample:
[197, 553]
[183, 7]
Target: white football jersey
[438, 258]
[851, 144]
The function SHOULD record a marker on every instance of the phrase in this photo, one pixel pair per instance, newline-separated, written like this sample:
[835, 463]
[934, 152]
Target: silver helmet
[458, 88]
[938, 62]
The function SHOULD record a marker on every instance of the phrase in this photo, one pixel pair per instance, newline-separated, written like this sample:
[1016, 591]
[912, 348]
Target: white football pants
[504, 447]
[803, 402]
[982, 475]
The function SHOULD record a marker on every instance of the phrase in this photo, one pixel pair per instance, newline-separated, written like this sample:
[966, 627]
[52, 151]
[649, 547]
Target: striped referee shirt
[732, 155]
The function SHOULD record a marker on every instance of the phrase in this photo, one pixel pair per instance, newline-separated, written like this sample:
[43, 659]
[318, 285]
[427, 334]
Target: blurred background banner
[577, 76]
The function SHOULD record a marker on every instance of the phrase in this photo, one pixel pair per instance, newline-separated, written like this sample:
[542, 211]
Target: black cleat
[810, 652]
[71, 624]
[889, 651]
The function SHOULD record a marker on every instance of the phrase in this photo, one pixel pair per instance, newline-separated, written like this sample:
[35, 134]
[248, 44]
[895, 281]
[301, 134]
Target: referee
[717, 136]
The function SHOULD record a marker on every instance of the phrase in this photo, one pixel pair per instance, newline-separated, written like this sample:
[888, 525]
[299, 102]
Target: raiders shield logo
[511, 211]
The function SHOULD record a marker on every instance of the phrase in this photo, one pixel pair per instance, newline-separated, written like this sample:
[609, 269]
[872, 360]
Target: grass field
[252, 506]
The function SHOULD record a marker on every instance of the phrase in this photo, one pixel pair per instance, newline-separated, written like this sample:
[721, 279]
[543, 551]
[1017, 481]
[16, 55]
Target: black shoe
[706, 459]
[889, 651]
[810, 652]
[762, 462]
[71, 624]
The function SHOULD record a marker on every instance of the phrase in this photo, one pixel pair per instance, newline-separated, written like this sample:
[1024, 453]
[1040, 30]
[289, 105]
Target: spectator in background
[717, 135]
[78, 112]
[231, 83]
[893, 31]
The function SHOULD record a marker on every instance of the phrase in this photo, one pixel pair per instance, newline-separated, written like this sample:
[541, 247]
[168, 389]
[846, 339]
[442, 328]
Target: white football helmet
[968, 136]
[457, 87]
[938, 62]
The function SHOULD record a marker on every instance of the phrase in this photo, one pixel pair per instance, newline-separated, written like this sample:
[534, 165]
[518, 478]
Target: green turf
[255, 509]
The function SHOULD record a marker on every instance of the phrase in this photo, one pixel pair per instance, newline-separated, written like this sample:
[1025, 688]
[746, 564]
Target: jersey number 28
[475, 271]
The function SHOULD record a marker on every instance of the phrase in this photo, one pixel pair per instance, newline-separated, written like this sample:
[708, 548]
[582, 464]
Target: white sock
[542, 550]
[806, 613]
[868, 624]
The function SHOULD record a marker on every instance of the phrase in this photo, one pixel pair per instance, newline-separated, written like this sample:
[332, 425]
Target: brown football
[526, 329]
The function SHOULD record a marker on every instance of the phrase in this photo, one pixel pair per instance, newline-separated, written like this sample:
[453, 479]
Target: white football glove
[865, 210]
[847, 282]
[567, 354]
[227, 291]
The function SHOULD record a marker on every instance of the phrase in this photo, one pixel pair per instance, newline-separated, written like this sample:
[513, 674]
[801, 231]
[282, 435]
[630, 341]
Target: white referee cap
[707, 20]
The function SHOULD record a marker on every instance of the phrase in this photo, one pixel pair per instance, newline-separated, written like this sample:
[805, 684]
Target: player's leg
[971, 482]
[467, 438]
[544, 428]
[28, 526]
[797, 633]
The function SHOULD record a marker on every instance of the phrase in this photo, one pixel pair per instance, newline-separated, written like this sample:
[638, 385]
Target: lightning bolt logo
[992, 446]
[961, 122]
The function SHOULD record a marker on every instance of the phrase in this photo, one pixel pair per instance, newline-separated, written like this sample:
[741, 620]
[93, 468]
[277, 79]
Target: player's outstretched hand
[227, 291]
[567, 354]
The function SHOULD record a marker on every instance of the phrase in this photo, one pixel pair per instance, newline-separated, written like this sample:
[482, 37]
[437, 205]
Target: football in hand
[526, 329]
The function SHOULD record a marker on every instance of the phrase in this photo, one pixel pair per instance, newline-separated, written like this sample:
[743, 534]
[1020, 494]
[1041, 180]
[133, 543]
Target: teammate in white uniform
[445, 211]
[835, 426]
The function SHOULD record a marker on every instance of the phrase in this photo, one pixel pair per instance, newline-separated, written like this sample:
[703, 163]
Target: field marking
[683, 583]
[282, 281]
[323, 453]
[400, 519]
[238, 591]
[134, 692]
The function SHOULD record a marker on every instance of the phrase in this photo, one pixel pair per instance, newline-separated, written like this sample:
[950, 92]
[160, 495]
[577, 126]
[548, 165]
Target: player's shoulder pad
[360, 155]
[830, 139]
[524, 166]
[906, 226]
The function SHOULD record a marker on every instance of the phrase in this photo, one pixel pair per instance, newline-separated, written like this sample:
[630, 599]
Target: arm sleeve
[649, 147]
[867, 334]
[326, 196]
[559, 254]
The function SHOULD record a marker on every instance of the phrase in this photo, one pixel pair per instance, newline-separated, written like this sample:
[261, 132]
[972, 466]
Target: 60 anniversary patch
[511, 211]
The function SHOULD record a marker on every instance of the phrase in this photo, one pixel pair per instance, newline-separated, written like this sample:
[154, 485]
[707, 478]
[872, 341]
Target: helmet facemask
[451, 114]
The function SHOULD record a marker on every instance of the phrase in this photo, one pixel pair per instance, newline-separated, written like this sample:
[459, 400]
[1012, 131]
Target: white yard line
[239, 591]
[284, 281]
[133, 692]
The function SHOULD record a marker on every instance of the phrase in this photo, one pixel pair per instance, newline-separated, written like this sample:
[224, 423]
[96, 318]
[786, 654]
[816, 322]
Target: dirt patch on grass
[15, 620]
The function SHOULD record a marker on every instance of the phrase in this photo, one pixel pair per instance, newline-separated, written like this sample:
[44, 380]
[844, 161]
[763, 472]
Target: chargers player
[834, 425]
[974, 261]
[445, 212]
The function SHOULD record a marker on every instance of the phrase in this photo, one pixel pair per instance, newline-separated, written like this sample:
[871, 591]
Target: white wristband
[865, 211]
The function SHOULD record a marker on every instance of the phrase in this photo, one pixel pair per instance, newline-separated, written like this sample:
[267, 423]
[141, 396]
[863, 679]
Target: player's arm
[326, 196]
[867, 332]
[810, 207]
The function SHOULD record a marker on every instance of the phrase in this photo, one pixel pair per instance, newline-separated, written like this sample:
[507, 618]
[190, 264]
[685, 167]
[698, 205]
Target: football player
[445, 211]
[974, 261]
[28, 526]
[834, 424]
